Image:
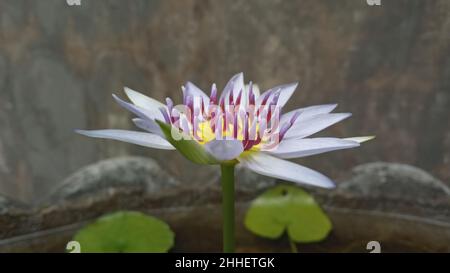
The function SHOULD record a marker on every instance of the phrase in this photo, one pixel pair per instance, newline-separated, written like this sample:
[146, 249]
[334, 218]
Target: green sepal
[187, 146]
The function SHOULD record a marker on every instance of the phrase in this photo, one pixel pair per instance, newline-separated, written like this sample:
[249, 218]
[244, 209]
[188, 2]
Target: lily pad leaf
[184, 143]
[287, 208]
[126, 231]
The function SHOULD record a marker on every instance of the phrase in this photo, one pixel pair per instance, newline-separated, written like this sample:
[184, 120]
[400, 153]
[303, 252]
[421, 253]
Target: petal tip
[366, 138]
[333, 106]
[360, 139]
[81, 132]
[329, 185]
[128, 91]
[87, 133]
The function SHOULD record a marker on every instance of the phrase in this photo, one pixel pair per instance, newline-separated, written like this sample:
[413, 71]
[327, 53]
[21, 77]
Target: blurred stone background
[59, 64]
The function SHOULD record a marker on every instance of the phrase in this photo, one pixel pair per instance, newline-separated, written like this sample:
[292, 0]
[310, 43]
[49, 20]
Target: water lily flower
[241, 126]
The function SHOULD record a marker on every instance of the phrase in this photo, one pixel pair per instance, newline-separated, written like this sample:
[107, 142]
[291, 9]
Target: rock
[395, 181]
[13, 217]
[114, 175]
[8, 205]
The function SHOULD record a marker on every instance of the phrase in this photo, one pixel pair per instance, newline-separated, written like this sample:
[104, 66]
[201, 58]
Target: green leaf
[288, 208]
[188, 147]
[126, 231]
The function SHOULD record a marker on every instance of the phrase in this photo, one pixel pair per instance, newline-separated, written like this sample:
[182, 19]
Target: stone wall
[387, 65]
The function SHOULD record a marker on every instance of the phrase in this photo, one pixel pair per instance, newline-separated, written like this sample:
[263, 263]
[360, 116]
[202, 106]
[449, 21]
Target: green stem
[227, 181]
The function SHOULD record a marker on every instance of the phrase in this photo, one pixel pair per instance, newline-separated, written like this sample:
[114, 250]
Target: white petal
[303, 128]
[256, 91]
[142, 100]
[360, 139]
[223, 150]
[148, 125]
[293, 148]
[244, 96]
[274, 167]
[138, 138]
[145, 113]
[309, 111]
[238, 85]
[286, 92]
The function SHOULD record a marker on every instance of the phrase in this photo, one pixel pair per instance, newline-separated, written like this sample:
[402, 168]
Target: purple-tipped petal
[213, 96]
[193, 91]
[293, 148]
[234, 85]
[285, 93]
[224, 150]
[284, 128]
[169, 104]
[264, 97]
[251, 94]
[314, 124]
[239, 85]
[165, 115]
[239, 98]
[138, 138]
[281, 169]
[219, 127]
